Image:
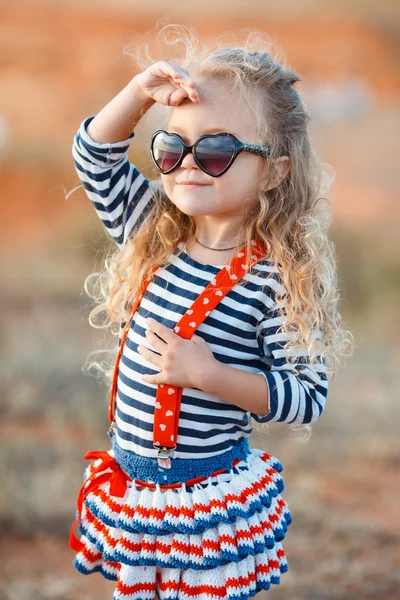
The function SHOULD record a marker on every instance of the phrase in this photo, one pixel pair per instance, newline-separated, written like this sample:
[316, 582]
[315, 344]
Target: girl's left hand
[181, 361]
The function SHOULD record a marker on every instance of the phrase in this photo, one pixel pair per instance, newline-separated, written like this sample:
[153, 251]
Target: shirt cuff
[272, 399]
[103, 154]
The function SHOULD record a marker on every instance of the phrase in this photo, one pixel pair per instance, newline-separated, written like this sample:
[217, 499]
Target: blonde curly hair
[292, 219]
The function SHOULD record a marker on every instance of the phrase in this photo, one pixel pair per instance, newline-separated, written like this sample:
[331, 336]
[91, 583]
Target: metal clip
[164, 458]
[111, 429]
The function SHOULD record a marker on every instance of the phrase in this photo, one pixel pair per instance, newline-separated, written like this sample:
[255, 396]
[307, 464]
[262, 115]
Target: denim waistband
[146, 469]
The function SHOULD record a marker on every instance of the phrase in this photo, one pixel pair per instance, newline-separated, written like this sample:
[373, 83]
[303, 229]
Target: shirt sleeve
[293, 398]
[121, 196]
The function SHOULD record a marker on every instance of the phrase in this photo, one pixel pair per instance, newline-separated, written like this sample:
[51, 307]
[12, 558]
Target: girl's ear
[281, 169]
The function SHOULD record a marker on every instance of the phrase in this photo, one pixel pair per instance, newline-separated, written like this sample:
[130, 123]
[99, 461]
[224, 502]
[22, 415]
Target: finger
[166, 334]
[185, 80]
[174, 71]
[197, 339]
[188, 88]
[178, 96]
[188, 85]
[191, 95]
[181, 72]
[185, 97]
[178, 74]
[150, 356]
[156, 342]
[194, 95]
[153, 379]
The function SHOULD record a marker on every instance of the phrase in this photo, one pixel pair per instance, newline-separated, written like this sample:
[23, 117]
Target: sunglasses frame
[239, 147]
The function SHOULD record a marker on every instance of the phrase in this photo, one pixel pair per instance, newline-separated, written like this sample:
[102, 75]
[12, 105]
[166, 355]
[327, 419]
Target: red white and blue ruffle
[217, 539]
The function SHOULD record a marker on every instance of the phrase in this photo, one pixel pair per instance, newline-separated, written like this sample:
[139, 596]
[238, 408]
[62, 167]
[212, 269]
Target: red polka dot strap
[168, 397]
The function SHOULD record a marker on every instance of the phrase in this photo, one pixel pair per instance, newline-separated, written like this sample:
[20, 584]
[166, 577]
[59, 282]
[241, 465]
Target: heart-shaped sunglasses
[214, 153]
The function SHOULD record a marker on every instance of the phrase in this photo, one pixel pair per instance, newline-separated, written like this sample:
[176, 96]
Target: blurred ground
[342, 487]
[62, 62]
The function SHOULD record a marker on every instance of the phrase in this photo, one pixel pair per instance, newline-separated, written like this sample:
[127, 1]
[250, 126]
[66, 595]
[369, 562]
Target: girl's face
[218, 109]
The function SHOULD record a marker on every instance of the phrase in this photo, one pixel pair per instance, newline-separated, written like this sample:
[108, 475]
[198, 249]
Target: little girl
[223, 284]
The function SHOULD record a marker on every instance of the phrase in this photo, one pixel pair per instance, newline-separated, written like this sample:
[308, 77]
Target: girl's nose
[188, 162]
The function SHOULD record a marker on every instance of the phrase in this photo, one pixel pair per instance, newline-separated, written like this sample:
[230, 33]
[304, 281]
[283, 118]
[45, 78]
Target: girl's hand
[181, 362]
[167, 83]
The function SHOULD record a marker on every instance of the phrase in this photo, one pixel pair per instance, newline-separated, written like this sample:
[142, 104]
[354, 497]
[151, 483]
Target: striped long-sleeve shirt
[242, 331]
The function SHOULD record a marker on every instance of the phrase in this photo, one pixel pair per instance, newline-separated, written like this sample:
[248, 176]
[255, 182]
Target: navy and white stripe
[241, 331]
[121, 196]
[292, 398]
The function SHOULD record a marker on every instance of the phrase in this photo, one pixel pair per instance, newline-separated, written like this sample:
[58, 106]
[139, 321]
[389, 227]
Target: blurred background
[62, 61]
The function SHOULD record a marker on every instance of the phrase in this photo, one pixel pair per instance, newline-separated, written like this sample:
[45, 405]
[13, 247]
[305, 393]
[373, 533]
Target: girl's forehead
[215, 112]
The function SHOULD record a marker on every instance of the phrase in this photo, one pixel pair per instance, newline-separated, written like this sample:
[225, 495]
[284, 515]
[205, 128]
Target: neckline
[195, 263]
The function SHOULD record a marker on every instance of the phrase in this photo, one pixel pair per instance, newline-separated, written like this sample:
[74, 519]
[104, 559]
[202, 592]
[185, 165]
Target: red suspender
[168, 398]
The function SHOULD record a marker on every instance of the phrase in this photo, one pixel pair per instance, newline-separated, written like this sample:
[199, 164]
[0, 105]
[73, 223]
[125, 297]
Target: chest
[231, 327]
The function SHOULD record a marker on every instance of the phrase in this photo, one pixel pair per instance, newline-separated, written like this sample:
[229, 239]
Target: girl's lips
[194, 184]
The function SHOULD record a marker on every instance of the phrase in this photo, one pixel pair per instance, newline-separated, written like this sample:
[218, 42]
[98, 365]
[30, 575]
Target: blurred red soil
[62, 62]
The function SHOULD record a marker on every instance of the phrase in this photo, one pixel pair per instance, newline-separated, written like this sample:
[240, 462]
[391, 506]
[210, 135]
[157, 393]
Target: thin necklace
[218, 249]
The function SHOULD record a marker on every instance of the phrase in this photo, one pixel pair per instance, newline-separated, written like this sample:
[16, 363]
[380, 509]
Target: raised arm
[120, 194]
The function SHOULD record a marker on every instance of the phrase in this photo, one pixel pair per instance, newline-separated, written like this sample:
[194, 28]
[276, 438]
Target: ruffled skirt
[217, 539]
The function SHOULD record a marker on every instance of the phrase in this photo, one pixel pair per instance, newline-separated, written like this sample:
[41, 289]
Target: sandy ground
[342, 486]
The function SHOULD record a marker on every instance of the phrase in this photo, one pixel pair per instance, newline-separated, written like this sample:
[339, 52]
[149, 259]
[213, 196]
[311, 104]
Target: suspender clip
[111, 429]
[163, 456]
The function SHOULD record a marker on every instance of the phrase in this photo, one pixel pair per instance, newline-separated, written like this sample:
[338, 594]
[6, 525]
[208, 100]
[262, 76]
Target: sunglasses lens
[167, 150]
[215, 153]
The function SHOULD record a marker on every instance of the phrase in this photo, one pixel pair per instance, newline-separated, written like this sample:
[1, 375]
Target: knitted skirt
[218, 538]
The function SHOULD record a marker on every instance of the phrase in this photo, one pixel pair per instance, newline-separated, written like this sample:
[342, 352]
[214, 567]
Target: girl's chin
[194, 209]
[194, 198]
[185, 189]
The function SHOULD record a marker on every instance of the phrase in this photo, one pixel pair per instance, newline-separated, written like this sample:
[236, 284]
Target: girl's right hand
[167, 83]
